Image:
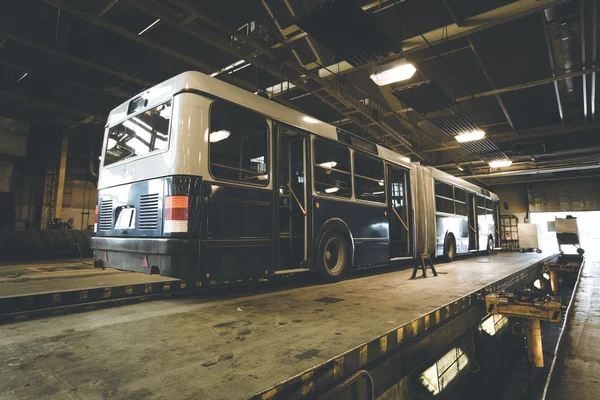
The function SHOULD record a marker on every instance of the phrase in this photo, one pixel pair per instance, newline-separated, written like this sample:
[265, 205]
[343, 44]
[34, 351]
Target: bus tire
[449, 249]
[490, 247]
[334, 256]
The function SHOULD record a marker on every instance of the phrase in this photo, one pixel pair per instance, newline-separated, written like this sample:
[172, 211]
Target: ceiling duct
[347, 30]
[424, 97]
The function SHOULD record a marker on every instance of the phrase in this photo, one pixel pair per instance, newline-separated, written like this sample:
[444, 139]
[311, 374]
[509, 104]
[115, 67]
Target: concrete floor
[578, 372]
[228, 348]
[27, 278]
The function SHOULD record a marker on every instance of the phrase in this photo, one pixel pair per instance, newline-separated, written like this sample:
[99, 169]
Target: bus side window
[368, 178]
[444, 197]
[239, 143]
[460, 202]
[332, 169]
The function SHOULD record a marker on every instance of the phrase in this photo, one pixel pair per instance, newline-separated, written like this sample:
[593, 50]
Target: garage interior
[520, 72]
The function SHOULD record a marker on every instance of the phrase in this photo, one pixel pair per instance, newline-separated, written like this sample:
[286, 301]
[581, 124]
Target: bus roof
[193, 81]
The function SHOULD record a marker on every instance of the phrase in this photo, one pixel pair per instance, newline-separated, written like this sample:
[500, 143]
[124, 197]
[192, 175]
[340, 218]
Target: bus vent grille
[148, 216]
[105, 215]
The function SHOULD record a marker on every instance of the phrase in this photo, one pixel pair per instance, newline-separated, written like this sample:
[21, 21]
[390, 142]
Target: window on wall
[444, 197]
[332, 169]
[368, 178]
[139, 135]
[239, 145]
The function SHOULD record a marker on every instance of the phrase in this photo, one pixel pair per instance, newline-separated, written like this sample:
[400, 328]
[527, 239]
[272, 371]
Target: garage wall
[516, 197]
[79, 203]
[566, 195]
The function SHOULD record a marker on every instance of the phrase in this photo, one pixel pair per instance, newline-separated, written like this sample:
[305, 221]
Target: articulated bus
[206, 182]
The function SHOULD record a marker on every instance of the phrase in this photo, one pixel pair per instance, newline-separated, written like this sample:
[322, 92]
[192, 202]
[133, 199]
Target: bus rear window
[145, 133]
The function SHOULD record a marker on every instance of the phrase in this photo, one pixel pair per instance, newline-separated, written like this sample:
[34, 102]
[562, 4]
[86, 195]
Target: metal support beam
[583, 51]
[333, 89]
[490, 82]
[109, 5]
[63, 5]
[507, 89]
[552, 66]
[594, 50]
[77, 60]
[61, 176]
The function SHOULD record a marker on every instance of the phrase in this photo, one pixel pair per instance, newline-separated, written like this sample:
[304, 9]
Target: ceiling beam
[334, 89]
[76, 60]
[552, 66]
[76, 11]
[109, 5]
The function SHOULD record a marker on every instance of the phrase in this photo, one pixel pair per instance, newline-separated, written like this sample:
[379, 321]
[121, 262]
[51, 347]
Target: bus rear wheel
[334, 257]
[449, 249]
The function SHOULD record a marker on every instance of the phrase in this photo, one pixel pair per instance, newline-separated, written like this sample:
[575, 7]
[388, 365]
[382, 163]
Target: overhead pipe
[552, 67]
[530, 171]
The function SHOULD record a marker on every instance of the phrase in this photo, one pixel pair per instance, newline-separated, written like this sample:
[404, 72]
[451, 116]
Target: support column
[61, 176]
[534, 343]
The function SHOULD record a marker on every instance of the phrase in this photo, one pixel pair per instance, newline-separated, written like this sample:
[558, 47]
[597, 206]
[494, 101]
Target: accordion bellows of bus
[206, 182]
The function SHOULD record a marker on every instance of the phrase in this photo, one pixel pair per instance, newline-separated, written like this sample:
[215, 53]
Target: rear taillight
[96, 219]
[176, 214]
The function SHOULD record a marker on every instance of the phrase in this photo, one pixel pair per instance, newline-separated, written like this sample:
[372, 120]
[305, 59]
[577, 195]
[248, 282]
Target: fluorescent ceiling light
[469, 136]
[380, 183]
[458, 167]
[377, 192]
[23, 77]
[328, 164]
[148, 27]
[219, 135]
[310, 120]
[395, 71]
[332, 189]
[240, 68]
[500, 163]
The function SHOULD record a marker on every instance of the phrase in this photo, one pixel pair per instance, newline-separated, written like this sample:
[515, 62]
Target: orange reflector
[176, 214]
[145, 262]
[385, 213]
[317, 204]
[105, 257]
[176, 202]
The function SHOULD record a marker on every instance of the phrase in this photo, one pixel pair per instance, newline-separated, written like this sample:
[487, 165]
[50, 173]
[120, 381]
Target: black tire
[69, 241]
[24, 244]
[3, 245]
[37, 243]
[490, 247]
[449, 249]
[49, 244]
[13, 248]
[59, 241]
[334, 256]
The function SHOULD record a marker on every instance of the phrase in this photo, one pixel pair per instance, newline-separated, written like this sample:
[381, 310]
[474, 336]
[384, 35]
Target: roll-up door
[557, 196]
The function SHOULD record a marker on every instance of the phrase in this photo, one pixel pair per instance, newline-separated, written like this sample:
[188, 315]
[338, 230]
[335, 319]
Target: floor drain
[329, 300]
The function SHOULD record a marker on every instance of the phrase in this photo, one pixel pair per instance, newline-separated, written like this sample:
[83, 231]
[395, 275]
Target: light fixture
[219, 135]
[262, 177]
[146, 29]
[381, 183]
[546, 276]
[22, 77]
[537, 284]
[395, 71]
[437, 377]
[332, 189]
[310, 120]
[458, 167]
[500, 163]
[328, 164]
[378, 193]
[470, 136]
[494, 324]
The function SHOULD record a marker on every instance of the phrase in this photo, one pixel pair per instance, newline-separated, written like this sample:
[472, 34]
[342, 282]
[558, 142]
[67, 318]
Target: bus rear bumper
[177, 258]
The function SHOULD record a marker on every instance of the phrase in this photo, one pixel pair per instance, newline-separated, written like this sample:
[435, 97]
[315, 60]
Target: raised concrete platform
[234, 348]
[577, 369]
[52, 276]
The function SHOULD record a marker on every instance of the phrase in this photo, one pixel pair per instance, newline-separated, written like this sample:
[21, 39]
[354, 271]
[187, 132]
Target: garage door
[556, 196]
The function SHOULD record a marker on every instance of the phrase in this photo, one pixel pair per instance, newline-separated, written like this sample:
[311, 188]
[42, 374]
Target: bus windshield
[142, 134]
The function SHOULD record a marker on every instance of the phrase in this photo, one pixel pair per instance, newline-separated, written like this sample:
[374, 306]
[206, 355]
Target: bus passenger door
[473, 239]
[293, 200]
[398, 213]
